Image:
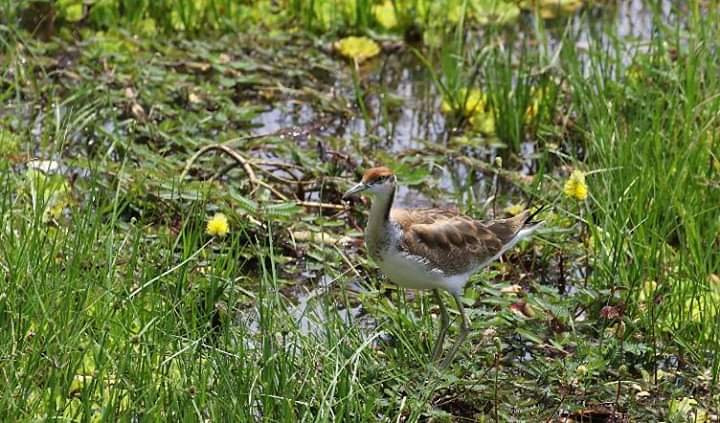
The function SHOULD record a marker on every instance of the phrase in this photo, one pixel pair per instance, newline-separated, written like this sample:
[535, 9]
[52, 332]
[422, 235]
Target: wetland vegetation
[173, 244]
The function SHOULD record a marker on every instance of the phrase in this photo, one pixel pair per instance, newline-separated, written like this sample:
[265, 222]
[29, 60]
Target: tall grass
[650, 133]
[101, 320]
[109, 313]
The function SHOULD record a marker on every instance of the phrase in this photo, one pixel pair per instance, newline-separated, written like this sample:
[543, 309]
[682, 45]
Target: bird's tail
[529, 221]
[530, 225]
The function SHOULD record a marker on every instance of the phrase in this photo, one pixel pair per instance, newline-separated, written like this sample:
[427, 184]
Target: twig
[321, 205]
[277, 164]
[227, 168]
[272, 175]
[254, 181]
[279, 194]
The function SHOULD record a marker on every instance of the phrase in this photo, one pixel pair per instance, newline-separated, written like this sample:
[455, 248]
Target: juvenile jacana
[433, 248]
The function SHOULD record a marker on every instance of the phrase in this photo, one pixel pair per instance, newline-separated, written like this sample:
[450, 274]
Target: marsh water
[415, 122]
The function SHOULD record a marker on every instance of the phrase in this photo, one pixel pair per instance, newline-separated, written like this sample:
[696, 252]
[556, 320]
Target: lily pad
[498, 12]
[385, 14]
[71, 10]
[551, 9]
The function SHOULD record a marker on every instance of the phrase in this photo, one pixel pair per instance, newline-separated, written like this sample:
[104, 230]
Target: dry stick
[480, 165]
[279, 178]
[254, 181]
[227, 168]
[229, 151]
[278, 164]
[239, 159]
[272, 189]
[321, 205]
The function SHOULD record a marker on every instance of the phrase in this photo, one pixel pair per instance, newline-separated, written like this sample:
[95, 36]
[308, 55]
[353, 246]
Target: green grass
[656, 218]
[116, 305]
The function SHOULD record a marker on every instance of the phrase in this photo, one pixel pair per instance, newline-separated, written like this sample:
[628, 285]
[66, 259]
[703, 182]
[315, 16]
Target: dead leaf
[511, 289]
[138, 111]
[194, 98]
[612, 312]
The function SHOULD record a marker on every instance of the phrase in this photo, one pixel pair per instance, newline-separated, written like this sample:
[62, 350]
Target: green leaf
[243, 203]
[529, 336]
[281, 210]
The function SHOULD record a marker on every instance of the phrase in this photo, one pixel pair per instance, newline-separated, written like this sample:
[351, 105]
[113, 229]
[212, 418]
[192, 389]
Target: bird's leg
[464, 330]
[444, 323]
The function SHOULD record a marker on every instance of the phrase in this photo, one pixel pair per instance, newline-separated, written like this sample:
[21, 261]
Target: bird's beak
[354, 190]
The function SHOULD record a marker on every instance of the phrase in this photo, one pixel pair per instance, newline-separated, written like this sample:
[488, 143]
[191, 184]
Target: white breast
[410, 272]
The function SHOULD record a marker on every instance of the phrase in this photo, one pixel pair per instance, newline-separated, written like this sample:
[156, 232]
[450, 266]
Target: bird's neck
[376, 233]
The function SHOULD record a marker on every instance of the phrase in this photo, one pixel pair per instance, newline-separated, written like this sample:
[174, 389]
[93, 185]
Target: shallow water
[417, 121]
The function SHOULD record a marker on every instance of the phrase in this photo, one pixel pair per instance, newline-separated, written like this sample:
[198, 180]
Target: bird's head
[377, 180]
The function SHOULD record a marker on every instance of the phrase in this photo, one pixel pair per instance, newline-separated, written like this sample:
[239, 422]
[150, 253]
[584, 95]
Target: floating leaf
[385, 14]
[245, 204]
[71, 10]
[498, 12]
[474, 105]
[281, 210]
[358, 49]
[551, 9]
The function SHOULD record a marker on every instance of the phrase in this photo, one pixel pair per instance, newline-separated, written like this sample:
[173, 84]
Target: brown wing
[452, 242]
[453, 245]
[408, 217]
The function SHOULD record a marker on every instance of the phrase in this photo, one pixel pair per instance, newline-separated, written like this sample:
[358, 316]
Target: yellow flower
[475, 101]
[218, 225]
[476, 109]
[575, 186]
[483, 122]
[515, 209]
[385, 14]
[357, 48]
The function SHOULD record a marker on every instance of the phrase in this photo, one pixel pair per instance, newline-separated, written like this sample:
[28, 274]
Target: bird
[434, 248]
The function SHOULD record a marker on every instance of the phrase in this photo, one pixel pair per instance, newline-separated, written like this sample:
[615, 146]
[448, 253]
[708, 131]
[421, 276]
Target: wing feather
[451, 242]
